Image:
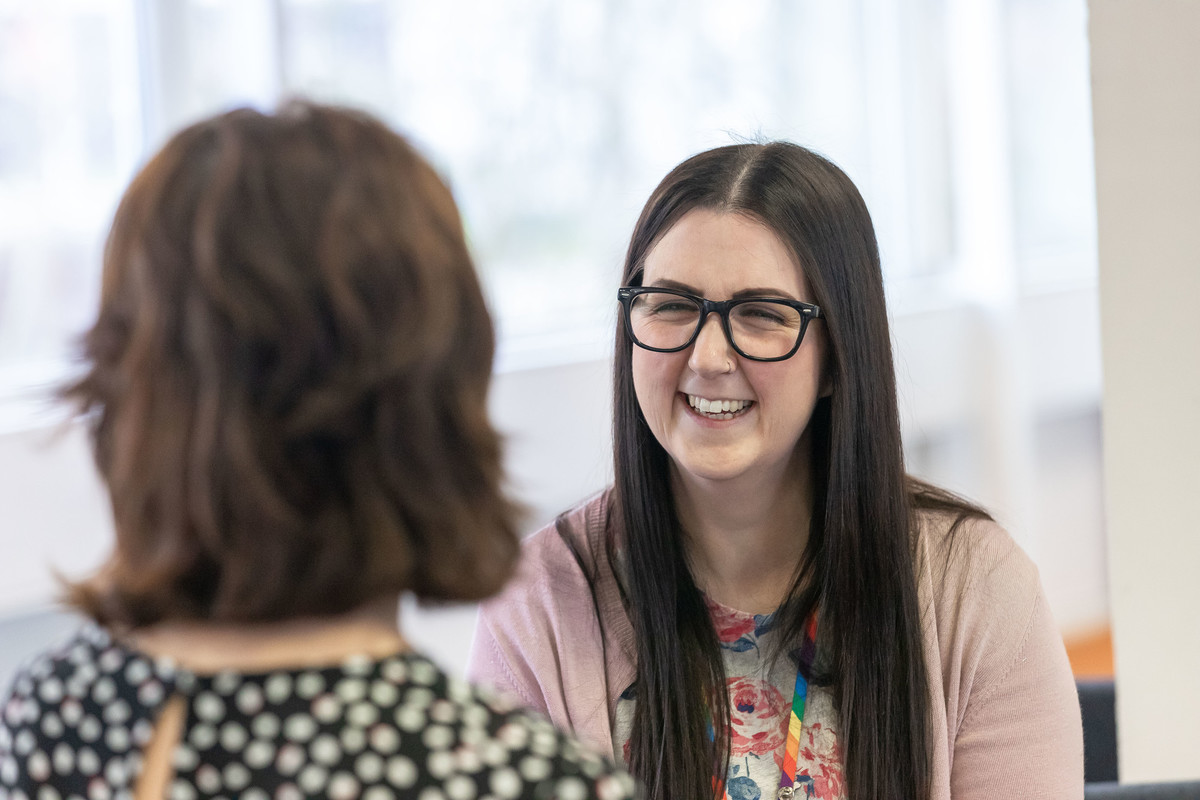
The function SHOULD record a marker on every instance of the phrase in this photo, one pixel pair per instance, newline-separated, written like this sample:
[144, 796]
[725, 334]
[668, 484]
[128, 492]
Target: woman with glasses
[764, 604]
[287, 389]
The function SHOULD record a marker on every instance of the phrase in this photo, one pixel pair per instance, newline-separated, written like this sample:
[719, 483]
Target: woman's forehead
[720, 253]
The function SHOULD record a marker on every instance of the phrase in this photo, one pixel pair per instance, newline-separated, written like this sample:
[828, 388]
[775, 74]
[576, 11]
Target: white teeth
[723, 409]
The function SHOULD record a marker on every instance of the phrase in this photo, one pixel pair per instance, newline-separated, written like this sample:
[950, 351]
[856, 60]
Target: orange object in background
[1091, 654]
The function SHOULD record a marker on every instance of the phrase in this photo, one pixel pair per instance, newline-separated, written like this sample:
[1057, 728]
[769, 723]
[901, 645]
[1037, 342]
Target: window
[553, 121]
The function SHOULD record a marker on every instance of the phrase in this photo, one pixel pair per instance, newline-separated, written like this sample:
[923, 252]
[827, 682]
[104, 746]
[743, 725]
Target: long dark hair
[858, 564]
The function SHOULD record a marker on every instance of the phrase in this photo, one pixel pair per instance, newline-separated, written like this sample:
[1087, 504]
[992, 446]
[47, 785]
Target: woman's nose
[711, 352]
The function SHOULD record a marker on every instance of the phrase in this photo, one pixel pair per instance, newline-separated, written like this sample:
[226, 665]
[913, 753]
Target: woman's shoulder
[965, 551]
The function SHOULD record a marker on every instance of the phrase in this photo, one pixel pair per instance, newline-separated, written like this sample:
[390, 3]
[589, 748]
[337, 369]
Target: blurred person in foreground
[286, 388]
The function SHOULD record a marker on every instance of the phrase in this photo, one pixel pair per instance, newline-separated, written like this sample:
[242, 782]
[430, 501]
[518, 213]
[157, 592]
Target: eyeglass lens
[759, 329]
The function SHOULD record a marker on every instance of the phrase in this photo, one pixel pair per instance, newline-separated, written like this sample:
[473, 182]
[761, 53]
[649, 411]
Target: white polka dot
[468, 759]
[90, 729]
[309, 685]
[181, 790]
[48, 793]
[233, 737]
[137, 671]
[423, 673]
[63, 758]
[512, 735]
[325, 750]
[209, 707]
[185, 758]
[208, 779]
[505, 783]
[362, 714]
[357, 665]
[369, 767]
[384, 739]
[545, 743]
[104, 690]
[289, 791]
[8, 770]
[327, 708]
[52, 725]
[313, 779]
[401, 772]
[38, 766]
[299, 728]
[98, 790]
[203, 736]
[254, 793]
[440, 764]
[226, 683]
[384, 694]
[443, 711]
[609, 788]
[394, 670]
[259, 754]
[249, 699]
[25, 742]
[265, 726]
[437, 737]
[110, 660]
[460, 787]
[410, 718]
[534, 768]
[459, 691]
[279, 688]
[431, 793]
[571, 788]
[116, 712]
[472, 736]
[237, 777]
[378, 793]
[591, 767]
[87, 762]
[291, 757]
[151, 693]
[353, 739]
[115, 772]
[351, 690]
[493, 753]
[142, 731]
[51, 690]
[419, 697]
[343, 786]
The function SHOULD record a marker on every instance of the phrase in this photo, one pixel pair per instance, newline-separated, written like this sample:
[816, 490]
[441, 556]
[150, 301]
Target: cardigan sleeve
[540, 640]
[1018, 721]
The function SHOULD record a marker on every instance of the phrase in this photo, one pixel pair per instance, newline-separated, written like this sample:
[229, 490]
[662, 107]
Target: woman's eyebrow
[754, 291]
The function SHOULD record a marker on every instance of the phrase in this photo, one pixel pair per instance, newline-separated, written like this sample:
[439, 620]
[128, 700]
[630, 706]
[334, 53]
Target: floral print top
[760, 702]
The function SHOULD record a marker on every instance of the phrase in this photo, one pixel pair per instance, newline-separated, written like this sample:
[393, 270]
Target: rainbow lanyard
[787, 776]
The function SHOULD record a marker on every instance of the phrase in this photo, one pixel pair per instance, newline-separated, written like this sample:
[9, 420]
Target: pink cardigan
[1005, 709]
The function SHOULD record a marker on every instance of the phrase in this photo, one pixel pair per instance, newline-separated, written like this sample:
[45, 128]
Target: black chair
[1098, 706]
[1189, 790]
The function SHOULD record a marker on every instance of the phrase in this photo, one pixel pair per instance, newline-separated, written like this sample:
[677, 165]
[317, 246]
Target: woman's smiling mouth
[717, 409]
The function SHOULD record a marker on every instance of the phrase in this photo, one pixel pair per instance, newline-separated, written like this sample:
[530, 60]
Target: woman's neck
[206, 647]
[744, 539]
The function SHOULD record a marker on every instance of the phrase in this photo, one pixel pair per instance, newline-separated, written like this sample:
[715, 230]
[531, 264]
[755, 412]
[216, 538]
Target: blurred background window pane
[553, 121]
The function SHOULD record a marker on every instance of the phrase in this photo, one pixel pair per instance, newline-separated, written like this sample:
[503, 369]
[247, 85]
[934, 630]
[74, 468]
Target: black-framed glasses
[758, 328]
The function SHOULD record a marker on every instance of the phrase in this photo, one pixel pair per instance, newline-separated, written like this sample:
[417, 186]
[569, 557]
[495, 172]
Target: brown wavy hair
[286, 385]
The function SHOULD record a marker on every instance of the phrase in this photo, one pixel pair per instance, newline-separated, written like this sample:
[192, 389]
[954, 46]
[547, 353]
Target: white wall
[1146, 101]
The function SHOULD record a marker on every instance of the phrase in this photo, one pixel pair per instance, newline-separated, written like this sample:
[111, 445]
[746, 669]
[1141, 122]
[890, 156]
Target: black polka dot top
[77, 720]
